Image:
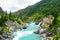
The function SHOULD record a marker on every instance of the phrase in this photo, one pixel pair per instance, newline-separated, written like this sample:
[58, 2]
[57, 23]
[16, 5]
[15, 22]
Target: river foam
[25, 32]
[21, 34]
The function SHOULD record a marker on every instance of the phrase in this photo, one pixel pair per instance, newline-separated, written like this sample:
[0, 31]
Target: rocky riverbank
[43, 29]
[11, 27]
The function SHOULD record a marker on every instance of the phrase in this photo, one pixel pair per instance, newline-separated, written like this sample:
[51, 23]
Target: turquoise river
[27, 34]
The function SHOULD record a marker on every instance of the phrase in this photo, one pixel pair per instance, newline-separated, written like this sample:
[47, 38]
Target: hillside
[30, 9]
[40, 10]
[44, 7]
[46, 13]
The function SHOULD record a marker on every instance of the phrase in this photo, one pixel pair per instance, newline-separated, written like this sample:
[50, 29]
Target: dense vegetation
[4, 17]
[35, 12]
[40, 10]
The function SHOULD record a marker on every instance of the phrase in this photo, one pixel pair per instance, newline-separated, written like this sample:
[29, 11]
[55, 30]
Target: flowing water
[27, 34]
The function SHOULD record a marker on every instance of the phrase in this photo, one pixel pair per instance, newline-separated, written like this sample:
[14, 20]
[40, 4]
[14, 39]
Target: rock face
[5, 36]
[42, 30]
[12, 26]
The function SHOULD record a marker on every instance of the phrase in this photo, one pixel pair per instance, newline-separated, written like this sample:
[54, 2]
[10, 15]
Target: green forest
[33, 14]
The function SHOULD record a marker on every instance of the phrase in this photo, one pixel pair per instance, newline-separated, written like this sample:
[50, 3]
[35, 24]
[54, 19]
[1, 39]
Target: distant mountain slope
[44, 7]
[31, 9]
[2, 12]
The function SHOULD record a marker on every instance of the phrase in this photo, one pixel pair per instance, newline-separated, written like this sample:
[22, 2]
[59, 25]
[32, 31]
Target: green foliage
[5, 29]
[58, 18]
[45, 7]
[46, 26]
[57, 36]
[35, 12]
[19, 21]
[3, 19]
[35, 17]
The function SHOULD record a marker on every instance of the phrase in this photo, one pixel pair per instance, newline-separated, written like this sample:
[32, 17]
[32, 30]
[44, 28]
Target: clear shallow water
[30, 37]
[27, 34]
